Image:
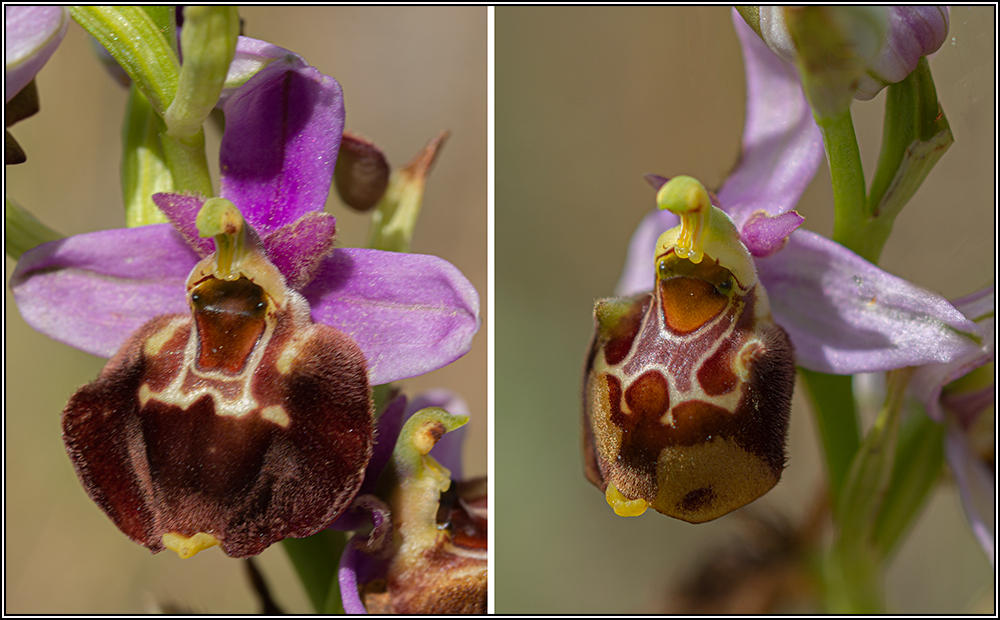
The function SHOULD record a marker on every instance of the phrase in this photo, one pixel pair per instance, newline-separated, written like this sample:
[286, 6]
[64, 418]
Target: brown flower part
[23, 105]
[362, 172]
[688, 388]
[240, 424]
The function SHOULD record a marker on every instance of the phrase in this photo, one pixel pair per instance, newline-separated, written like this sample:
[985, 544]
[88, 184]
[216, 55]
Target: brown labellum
[240, 424]
[688, 388]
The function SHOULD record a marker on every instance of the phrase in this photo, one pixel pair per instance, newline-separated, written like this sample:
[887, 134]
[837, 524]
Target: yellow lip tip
[623, 506]
[187, 547]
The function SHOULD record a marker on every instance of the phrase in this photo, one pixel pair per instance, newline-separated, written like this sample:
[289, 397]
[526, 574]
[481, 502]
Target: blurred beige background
[587, 101]
[407, 74]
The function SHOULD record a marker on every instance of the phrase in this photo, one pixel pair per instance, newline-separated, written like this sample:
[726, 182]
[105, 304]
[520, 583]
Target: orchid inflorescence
[237, 409]
[687, 387]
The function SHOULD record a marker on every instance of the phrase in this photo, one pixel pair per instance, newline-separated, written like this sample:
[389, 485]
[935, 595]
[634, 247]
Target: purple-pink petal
[91, 291]
[782, 146]
[31, 35]
[448, 450]
[764, 235]
[251, 56]
[378, 542]
[283, 131]
[409, 313]
[845, 315]
[967, 406]
[928, 381]
[355, 567]
[182, 211]
[976, 487]
[912, 32]
[298, 249]
[387, 433]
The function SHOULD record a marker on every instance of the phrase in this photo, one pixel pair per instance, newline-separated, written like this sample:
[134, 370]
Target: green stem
[316, 560]
[836, 412]
[185, 156]
[854, 575]
[853, 583]
[850, 220]
[917, 468]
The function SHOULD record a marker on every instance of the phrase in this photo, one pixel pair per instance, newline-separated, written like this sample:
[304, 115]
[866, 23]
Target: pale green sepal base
[144, 171]
[22, 230]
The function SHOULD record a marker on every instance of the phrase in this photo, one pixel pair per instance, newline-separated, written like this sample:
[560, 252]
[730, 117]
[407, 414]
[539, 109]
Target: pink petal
[409, 313]
[845, 315]
[782, 146]
[765, 235]
[92, 291]
[283, 131]
[31, 35]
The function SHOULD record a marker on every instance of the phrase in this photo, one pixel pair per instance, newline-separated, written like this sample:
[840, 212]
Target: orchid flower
[411, 562]
[409, 313]
[961, 395]
[844, 314]
[246, 335]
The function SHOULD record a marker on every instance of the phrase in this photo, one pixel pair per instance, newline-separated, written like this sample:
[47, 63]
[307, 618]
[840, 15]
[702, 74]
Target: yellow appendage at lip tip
[622, 506]
[186, 547]
[689, 199]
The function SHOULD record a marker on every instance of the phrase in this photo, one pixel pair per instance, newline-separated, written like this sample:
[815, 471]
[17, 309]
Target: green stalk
[185, 156]
[853, 582]
[853, 570]
[917, 468]
[316, 560]
[850, 220]
[832, 398]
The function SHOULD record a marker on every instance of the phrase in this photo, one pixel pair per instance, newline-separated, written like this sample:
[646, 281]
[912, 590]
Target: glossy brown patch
[690, 303]
[696, 421]
[463, 513]
[229, 316]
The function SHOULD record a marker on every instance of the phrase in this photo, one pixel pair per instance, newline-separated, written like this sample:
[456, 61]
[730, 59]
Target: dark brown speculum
[239, 424]
[687, 392]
